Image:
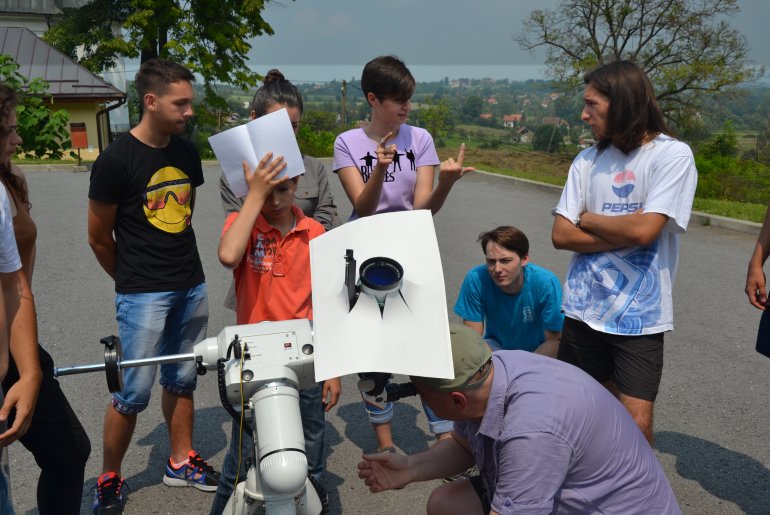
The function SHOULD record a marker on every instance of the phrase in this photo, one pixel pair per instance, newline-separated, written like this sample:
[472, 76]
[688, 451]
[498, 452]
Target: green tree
[435, 117]
[724, 144]
[471, 108]
[687, 47]
[211, 37]
[44, 131]
[320, 120]
[548, 138]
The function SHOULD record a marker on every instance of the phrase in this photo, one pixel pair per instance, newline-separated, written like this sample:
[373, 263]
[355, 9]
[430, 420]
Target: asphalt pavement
[712, 414]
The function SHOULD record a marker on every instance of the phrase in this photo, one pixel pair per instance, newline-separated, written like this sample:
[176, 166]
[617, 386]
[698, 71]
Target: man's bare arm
[566, 235]
[756, 288]
[387, 471]
[101, 222]
[636, 229]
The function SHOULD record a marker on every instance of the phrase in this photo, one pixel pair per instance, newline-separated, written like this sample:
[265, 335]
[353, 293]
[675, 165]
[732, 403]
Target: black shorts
[478, 485]
[633, 363]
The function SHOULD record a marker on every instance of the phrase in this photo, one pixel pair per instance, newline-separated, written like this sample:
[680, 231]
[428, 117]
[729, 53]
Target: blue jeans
[383, 416]
[155, 324]
[6, 508]
[313, 420]
[5, 485]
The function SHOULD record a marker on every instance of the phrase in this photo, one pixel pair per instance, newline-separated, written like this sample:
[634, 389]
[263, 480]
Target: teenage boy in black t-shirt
[143, 190]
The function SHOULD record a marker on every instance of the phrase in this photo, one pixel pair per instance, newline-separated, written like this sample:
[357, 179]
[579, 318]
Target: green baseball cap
[469, 354]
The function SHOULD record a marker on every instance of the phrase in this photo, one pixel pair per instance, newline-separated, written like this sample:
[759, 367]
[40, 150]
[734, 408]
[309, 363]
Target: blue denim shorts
[377, 415]
[157, 324]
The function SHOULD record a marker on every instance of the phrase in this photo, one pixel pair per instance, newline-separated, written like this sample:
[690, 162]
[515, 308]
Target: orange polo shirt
[272, 282]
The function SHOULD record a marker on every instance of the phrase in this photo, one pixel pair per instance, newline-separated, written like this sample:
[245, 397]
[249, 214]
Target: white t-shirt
[9, 253]
[628, 291]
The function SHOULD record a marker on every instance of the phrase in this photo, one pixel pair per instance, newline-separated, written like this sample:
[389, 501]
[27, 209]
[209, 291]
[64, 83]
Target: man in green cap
[546, 437]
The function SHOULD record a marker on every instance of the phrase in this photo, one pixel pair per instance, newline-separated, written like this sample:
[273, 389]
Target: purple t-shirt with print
[414, 148]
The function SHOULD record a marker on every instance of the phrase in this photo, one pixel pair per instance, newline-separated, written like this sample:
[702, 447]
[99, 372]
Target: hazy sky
[428, 32]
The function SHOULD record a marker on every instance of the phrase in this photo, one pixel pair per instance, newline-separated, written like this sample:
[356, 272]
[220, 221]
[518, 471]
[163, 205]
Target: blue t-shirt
[517, 321]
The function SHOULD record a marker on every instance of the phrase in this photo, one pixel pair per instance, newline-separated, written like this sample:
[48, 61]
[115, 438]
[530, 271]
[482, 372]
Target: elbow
[228, 259]
[642, 239]
[363, 211]
[559, 241]
[97, 244]
[561, 233]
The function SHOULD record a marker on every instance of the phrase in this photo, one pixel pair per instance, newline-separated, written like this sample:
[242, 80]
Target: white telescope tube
[281, 443]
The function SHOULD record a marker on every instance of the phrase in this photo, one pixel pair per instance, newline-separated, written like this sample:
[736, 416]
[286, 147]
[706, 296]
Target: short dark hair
[633, 111]
[508, 237]
[388, 78]
[155, 75]
[276, 90]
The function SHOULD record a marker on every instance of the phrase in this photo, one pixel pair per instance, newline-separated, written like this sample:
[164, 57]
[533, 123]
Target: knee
[440, 503]
[78, 450]
[59, 457]
[454, 497]
[379, 415]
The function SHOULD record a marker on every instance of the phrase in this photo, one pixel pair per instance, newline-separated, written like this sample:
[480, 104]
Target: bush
[548, 138]
[731, 178]
[45, 133]
[316, 143]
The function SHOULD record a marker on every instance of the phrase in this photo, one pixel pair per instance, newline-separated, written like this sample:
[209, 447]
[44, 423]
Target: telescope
[260, 370]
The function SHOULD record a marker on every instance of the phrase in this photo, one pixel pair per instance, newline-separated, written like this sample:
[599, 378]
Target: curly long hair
[8, 103]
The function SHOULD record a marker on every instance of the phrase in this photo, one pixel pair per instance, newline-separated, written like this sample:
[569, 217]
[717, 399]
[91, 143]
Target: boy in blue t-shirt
[513, 303]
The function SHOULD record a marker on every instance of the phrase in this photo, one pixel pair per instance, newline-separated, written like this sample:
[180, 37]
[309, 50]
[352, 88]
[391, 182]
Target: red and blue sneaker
[194, 472]
[111, 494]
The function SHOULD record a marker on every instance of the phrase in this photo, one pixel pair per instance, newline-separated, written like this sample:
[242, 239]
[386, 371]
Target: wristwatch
[577, 222]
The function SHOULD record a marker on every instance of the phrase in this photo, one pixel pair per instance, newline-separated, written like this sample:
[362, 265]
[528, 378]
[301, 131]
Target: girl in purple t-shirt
[397, 177]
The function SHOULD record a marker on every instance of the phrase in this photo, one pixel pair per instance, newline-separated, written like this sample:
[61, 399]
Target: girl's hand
[452, 170]
[385, 154]
[331, 392]
[262, 180]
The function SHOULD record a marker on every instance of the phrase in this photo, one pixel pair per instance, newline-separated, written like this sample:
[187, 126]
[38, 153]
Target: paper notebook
[250, 142]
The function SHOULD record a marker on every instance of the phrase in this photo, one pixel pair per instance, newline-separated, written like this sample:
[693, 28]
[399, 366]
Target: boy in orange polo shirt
[267, 243]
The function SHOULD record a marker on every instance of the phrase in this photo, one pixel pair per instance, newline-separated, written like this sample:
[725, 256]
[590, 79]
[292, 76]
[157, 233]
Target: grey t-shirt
[553, 440]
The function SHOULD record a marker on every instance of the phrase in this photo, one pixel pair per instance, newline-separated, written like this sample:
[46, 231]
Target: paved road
[712, 413]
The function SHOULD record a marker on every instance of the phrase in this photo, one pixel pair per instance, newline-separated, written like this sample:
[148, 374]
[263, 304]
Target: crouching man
[546, 437]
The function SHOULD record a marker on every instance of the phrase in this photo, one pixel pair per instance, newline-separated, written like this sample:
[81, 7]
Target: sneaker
[471, 472]
[195, 472]
[111, 494]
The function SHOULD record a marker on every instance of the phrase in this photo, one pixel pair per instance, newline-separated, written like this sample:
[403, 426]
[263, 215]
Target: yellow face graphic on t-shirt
[166, 200]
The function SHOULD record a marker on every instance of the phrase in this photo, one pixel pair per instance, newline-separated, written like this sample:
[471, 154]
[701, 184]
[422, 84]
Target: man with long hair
[626, 202]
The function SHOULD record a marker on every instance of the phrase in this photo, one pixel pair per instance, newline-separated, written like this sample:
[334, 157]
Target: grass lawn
[552, 169]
